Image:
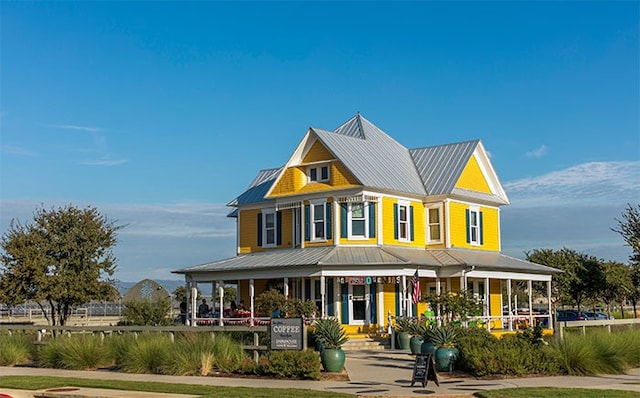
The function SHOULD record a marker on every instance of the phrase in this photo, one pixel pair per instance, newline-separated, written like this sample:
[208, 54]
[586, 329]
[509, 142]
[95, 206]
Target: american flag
[417, 294]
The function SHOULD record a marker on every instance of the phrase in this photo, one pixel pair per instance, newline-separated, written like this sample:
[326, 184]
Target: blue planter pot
[415, 342]
[332, 359]
[428, 347]
[446, 358]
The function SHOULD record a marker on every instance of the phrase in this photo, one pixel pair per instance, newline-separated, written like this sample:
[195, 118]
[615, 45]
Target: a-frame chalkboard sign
[424, 369]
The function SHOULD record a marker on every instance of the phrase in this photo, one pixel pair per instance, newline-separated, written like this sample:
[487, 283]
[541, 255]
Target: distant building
[146, 289]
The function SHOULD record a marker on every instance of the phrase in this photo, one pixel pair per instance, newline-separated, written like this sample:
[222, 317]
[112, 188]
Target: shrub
[291, 364]
[84, 352]
[147, 313]
[15, 350]
[50, 354]
[149, 353]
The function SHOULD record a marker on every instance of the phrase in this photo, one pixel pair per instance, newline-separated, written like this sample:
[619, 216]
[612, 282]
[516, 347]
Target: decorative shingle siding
[317, 153]
[472, 178]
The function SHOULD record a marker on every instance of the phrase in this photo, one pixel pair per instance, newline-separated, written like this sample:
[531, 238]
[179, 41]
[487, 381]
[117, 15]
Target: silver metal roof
[440, 166]
[370, 256]
[373, 157]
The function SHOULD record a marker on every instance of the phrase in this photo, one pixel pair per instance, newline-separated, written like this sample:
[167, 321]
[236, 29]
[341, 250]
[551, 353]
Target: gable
[317, 153]
[472, 177]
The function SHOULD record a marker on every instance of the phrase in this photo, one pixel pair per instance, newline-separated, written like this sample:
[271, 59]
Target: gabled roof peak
[353, 127]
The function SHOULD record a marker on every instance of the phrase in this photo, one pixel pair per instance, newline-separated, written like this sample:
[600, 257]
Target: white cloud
[575, 208]
[90, 129]
[15, 150]
[538, 153]
[104, 161]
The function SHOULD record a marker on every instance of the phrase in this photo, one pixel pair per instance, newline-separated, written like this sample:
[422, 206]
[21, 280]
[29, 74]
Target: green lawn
[41, 383]
[552, 392]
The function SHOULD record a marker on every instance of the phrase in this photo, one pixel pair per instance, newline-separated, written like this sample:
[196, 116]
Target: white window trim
[264, 228]
[318, 169]
[312, 221]
[476, 210]
[365, 210]
[440, 223]
[407, 204]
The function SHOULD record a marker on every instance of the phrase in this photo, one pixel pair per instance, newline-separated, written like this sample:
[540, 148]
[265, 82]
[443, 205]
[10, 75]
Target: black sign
[286, 333]
[424, 369]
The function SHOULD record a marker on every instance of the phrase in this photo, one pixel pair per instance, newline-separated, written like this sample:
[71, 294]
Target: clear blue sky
[159, 113]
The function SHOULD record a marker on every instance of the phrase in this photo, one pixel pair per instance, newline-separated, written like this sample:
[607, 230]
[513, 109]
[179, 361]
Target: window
[403, 221]
[317, 221]
[434, 223]
[474, 226]
[357, 220]
[269, 225]
[318, 173]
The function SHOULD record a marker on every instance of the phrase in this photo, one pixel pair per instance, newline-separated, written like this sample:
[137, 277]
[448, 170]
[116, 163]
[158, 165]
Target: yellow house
[353, 215]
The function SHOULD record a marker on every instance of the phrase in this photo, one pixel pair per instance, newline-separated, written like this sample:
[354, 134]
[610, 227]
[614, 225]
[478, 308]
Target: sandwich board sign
[424, 369]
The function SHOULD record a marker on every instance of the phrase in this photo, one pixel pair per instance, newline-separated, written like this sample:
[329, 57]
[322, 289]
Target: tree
[617, 283]
[63, 259]
[147, 312]
[629, 229]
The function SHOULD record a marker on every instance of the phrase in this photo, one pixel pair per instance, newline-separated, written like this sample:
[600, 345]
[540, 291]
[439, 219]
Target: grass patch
[40, 383]
[545, 392]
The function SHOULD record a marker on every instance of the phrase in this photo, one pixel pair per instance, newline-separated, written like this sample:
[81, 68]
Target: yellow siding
[458, 227]
[294, 181]
[317, 153]
[248, 225]
[495, 302]
[389, 301]
[341, 177]
[472, 177]
[388, 224]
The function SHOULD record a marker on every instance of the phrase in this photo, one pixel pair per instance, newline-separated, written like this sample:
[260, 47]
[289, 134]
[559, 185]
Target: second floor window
[317, 221]
[474, 226]
[403, 225]
[434, 223]
[358, 221]
[269, 228]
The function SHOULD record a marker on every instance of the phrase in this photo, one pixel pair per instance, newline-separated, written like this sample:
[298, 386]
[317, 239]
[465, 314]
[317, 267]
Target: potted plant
[444, 338]
[401, 328]
[417, 329]
[331, 336]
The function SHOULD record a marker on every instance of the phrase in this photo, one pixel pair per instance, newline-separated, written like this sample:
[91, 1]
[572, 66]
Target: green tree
[629, 229]
[63, 259]
[147, 312]
[617, 284]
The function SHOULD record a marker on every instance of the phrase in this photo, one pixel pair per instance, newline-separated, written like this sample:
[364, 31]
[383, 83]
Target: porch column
[323, 290]
[337, 298]
[286, 287]
[194, 298]
[530, 289]
[509, 305]
[403, 298]
[380, 304]
[438, 292]
[549, 304]
[221, 295]
[252, 292]
[487, 294]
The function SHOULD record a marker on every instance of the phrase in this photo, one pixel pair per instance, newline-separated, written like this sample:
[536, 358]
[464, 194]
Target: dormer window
[318, 173]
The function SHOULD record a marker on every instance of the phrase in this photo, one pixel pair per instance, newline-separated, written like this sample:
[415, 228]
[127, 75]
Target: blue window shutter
[259, 229]
[345, 304]
[372, 219]
[397, 299]
[411, 229]
[329, 297]
[343, 220]
[481, 229]
[307, 223]
[279, 228]
[372, 298]
[468, 226]
[307, 289]
[328, 218]
[395, 221]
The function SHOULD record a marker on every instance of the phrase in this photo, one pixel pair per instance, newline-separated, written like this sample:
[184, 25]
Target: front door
[359, 305]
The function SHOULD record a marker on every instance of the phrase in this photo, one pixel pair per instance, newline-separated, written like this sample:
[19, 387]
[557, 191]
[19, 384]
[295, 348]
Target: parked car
[599, 316]
[570, 315]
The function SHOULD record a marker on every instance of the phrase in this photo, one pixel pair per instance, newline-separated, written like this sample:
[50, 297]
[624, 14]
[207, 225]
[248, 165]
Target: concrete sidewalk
[371, 373]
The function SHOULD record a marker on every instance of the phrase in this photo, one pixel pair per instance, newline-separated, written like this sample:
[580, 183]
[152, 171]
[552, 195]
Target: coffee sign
[286, 333]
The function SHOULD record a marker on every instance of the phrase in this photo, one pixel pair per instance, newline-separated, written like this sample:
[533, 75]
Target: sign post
[424, 369]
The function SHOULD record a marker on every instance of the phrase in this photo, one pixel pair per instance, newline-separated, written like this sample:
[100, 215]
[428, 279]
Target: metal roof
[373, 157]
[258, 188]
[440, 166]
[371, 256]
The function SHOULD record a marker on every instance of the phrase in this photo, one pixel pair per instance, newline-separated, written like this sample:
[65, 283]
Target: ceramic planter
[415, 342]
[446, 358]
[403, 340]
[332, 359]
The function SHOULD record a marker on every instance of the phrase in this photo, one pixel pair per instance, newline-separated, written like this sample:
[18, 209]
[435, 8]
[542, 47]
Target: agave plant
[442, 336]
[403, 324]
[417, 328]
[330, 333]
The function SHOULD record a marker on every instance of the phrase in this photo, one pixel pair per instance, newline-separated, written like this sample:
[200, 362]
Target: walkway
[371, 373]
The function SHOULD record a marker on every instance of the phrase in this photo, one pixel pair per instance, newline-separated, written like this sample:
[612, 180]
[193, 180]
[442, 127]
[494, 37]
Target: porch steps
[366, 343]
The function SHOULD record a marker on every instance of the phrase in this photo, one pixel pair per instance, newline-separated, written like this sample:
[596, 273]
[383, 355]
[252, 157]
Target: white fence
[607, 323]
